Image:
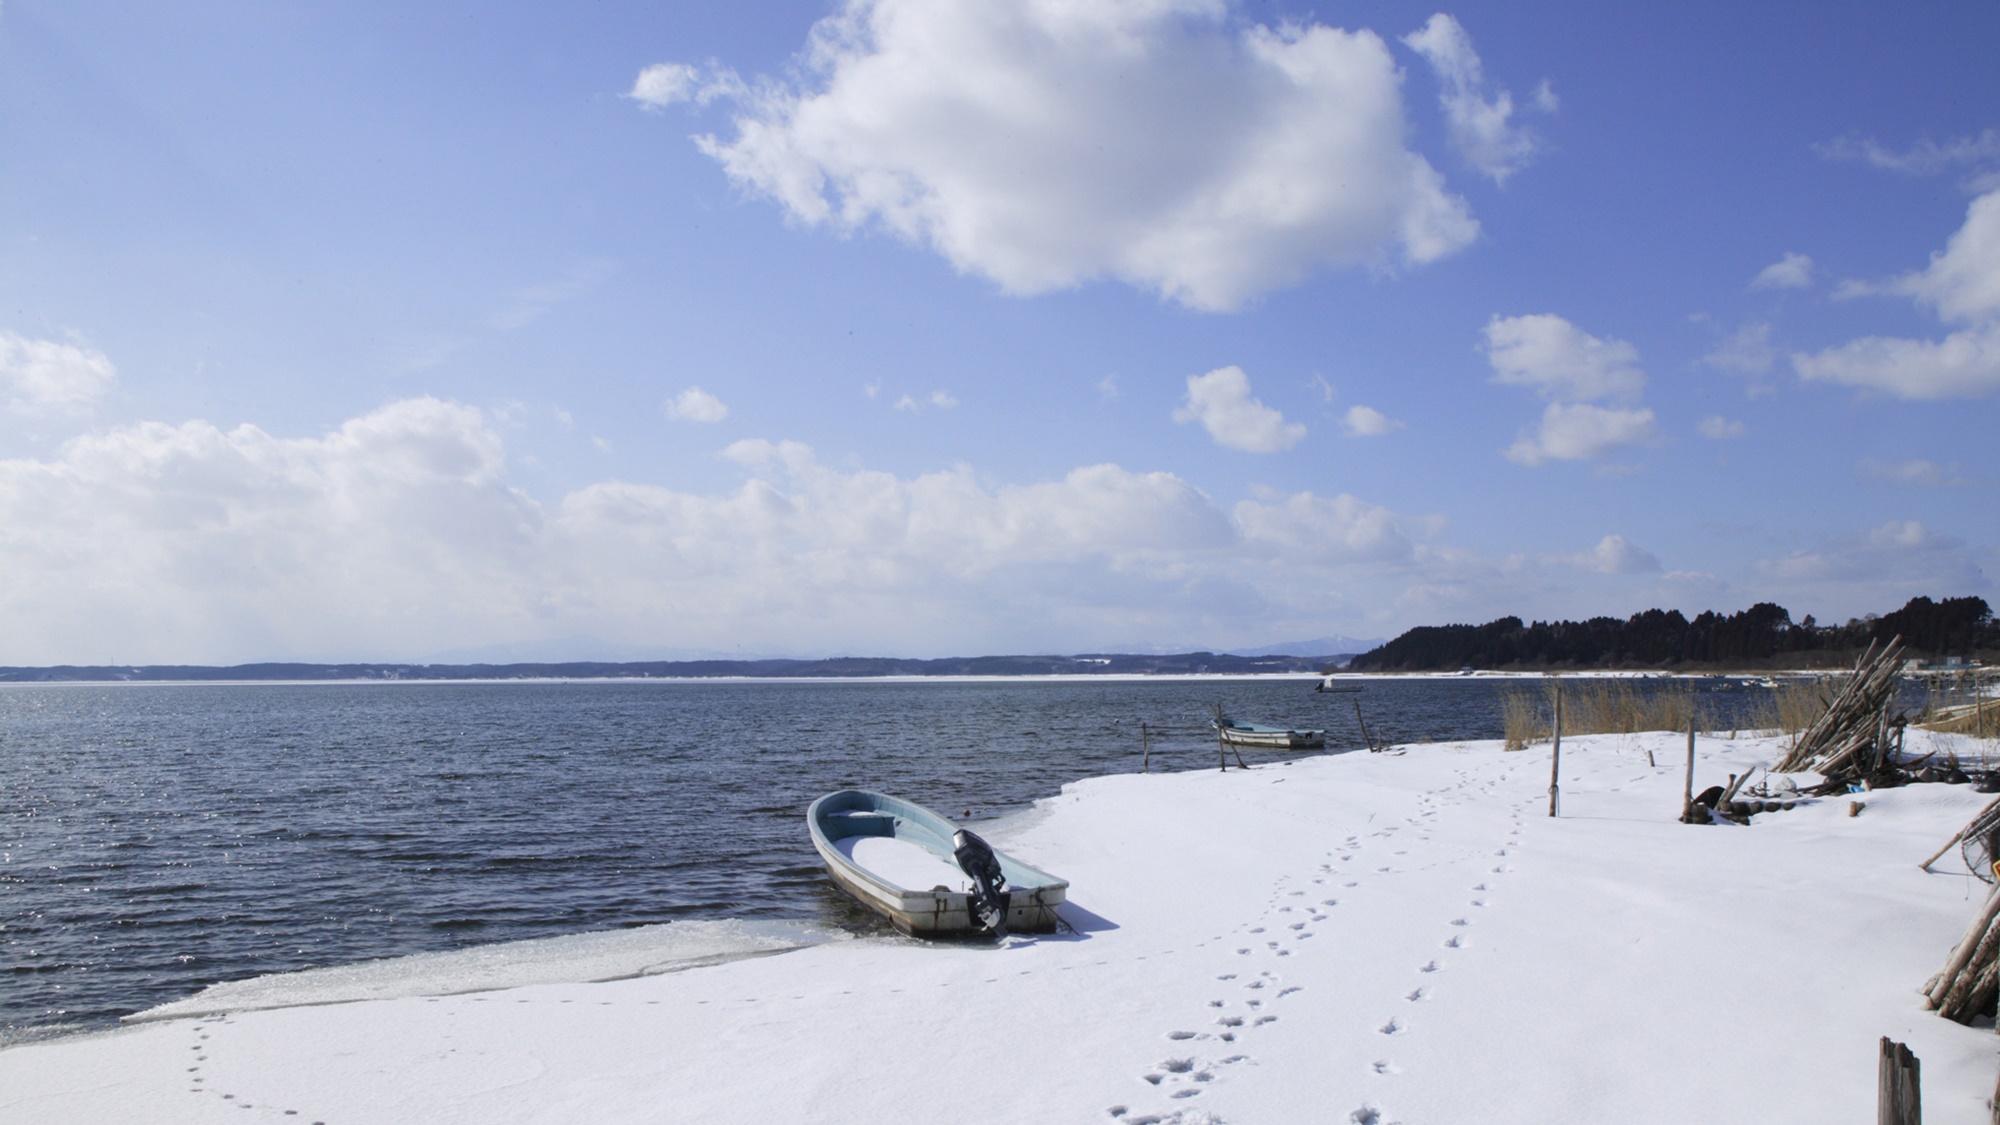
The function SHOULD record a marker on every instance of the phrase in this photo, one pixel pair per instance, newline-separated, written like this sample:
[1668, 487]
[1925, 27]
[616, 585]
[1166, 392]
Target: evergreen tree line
[1764, 634]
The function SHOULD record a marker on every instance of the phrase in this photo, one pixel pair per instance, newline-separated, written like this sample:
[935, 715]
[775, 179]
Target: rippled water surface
[155, 839]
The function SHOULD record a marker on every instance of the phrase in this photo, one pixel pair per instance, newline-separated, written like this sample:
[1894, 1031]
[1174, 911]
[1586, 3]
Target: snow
[1403, 937]
[903, 863]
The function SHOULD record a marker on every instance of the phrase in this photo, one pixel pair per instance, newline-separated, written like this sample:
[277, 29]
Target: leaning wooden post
[1221, 743]
[1898, 1093]
[1145, 749]
[1555, 759]
[1687, 787]
[1366, 738]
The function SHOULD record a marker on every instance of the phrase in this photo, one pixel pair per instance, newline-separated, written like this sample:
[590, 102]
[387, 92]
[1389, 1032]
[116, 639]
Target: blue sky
[373, 331]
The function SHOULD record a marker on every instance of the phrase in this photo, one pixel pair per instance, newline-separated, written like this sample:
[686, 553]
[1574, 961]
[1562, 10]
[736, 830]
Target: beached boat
[1258, 736]
[897, 858]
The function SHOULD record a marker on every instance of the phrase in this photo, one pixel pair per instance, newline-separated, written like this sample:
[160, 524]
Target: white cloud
[1718, 428]
[664, 84]
[696, 405]
[1366, 421]
[1747, 351]
[1581, 432]
[1612, 555]
[1924, 158]
[1962, 284]
[1574, 370]
[1913, 474]
[1040, 145]
[1793, 271]
[1878, 567]
[397, 535]
[1962, 365]
[1560, 361]
[1222, 403]
[1107, 388]
[1342, 527]
[1480, 129]
[943, 400]
[43, 375]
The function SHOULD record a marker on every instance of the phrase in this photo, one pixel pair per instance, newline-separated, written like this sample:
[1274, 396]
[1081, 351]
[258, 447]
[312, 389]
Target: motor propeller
[990, 898]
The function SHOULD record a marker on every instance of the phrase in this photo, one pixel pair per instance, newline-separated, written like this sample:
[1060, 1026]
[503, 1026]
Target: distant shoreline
[1354, 678]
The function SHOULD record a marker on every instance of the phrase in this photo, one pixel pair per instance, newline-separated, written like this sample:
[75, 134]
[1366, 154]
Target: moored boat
[897, 858]
[1259, 736]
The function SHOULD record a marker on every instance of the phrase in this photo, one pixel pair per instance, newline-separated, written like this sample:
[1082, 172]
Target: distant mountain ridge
[1187, 663]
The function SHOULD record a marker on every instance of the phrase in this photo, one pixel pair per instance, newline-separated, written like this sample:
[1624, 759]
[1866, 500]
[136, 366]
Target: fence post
[1898, 1094]
[1145, 749]
[1687, 787]
[1555, 759]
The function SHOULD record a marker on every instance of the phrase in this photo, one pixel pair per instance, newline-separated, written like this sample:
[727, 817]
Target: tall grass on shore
[1593, 706]
[1795, 704]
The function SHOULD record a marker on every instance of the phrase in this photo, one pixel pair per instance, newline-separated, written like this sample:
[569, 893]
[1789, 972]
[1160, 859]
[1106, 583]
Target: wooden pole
[1145, 749]
[1366, 738]
[1687, 787]
[1956, 836]
[1221, 744]
[1555, 759]
[1898, 1092]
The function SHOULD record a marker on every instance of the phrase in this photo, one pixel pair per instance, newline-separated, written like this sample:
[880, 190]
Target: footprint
[1383, 1066]
[1177, 1066]
[1180, 1035]
[1432, 967]
[1460, 922]
[1288, 991]
[1231, 1021]
[1296, 926]
[1418, 994]
[1393, 1027]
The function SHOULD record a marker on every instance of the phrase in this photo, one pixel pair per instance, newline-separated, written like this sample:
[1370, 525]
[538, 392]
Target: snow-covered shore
[1370, 938]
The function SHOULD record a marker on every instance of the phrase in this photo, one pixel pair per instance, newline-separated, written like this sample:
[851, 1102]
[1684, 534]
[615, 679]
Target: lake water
[155, 839]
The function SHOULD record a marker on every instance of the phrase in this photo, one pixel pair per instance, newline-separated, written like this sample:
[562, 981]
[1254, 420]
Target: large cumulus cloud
[1041, 145]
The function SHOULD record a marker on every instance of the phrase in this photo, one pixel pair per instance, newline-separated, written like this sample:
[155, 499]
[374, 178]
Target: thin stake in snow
[1555, 758]
[1687, 788]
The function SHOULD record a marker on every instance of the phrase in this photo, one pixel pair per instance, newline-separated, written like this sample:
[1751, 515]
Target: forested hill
[1762, 636]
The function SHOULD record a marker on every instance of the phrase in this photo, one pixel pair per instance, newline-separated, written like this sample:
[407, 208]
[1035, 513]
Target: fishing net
[1981, 843]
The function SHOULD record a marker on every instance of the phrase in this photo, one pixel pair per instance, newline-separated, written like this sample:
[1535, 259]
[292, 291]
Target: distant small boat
[1258, 736]
[898, 859]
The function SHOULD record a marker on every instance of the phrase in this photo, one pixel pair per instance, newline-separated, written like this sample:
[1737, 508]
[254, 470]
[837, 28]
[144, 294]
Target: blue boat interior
[858, 813]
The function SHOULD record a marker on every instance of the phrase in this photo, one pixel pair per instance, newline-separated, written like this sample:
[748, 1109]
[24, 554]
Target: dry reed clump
[1593, 706]
[1522, 720]
[1795, 705]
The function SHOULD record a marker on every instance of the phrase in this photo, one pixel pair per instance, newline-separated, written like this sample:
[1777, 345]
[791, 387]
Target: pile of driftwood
[1859, 738]
[1970, 980]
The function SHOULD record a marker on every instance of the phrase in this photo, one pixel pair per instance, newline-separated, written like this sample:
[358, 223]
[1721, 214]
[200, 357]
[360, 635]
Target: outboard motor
[989, 899]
